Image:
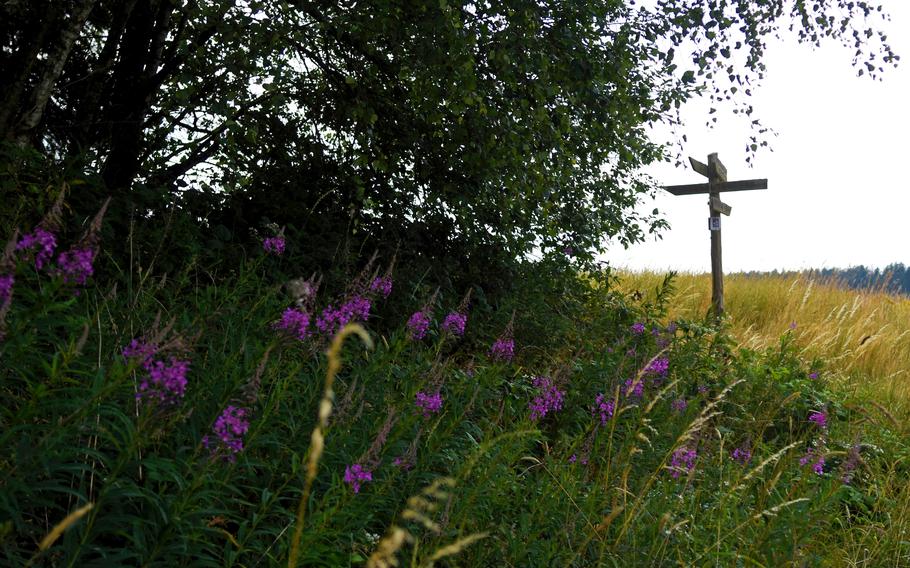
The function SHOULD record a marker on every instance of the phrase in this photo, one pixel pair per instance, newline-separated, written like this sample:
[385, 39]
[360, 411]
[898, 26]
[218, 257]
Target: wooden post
[716, 173]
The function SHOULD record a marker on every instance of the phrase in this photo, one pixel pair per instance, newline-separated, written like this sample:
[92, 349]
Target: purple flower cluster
[76, 264]
[679, 405]
[382, 285]
[813, 376]
[295, 322]
[428, 404]
[634, 388]
[742, 455]
[658, 367]
[165, 381]
[229, 429]
[818, 465]
[574, 457]
[44, 241]
[331, 320]
[274, 245]
[140, 350]
[638, 328]
[6, 286]
[853, 459]
[419, 324]
[455, 323]
[603, 408]
[503, 349]
[356, 474]
[683, 459]
[549, 400]
[820, 419]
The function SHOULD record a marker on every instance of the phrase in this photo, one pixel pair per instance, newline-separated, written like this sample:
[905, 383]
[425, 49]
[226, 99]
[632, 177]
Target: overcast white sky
[838, 179]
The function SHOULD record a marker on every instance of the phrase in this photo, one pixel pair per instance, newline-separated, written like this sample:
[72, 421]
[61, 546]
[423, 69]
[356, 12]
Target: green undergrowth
[659, 443]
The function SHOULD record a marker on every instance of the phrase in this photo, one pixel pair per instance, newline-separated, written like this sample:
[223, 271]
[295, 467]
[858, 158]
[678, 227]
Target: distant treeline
[894, 278]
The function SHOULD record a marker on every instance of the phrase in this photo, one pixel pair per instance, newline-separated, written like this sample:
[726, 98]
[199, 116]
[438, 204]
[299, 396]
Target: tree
[480, 130]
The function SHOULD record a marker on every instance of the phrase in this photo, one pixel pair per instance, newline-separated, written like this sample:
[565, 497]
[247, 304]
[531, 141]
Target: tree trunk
[45, 86]
[130, 98]
[98, 87]
[15, 78]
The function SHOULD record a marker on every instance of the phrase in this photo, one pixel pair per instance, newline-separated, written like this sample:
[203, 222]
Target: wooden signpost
[716, 173]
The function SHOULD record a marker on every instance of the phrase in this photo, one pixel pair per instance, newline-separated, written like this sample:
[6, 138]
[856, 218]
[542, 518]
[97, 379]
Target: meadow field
[155, 419]
[862, 338]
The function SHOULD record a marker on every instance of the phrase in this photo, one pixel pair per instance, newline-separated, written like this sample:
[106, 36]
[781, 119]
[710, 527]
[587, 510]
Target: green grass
[485, 484]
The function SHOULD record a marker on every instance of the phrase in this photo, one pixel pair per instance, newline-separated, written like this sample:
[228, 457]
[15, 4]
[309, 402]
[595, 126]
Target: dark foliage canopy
[477, 131]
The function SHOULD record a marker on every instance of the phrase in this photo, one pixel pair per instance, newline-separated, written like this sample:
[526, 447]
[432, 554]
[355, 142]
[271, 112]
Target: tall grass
[862, 337]
[613, 437]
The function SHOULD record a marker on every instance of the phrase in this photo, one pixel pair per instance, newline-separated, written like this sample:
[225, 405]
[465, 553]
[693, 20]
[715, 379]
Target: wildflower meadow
[266, 419]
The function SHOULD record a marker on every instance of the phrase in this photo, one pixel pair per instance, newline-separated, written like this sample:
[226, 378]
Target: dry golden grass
[863, 337]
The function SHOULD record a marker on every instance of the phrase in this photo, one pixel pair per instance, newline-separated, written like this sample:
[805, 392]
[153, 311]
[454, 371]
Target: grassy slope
[612, 475]
[862, 337]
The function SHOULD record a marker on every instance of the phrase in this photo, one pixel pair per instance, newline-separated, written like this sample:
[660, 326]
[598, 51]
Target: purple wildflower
[574, 458]
[853, 459]
[331, 320]
[455, 323]
[382, 285]
[403, 462]
[140, 350]
[229, 429]
[42, 239]
[820, 419]
[813, 376]
[503, 349]
[819, 464]
[603, 407]
[6, 287]
[638, 328]
[419, 324]
[359, 308]
[274, 245]
[792, 325]
[76, 264]
[683, 459]
[428, 404]
[549, 400]
[166, 381]
[356, 474]
[742, 455]
[295, 322]
[672, 327]
[679, 405]
[634, 388]
[658, 367]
